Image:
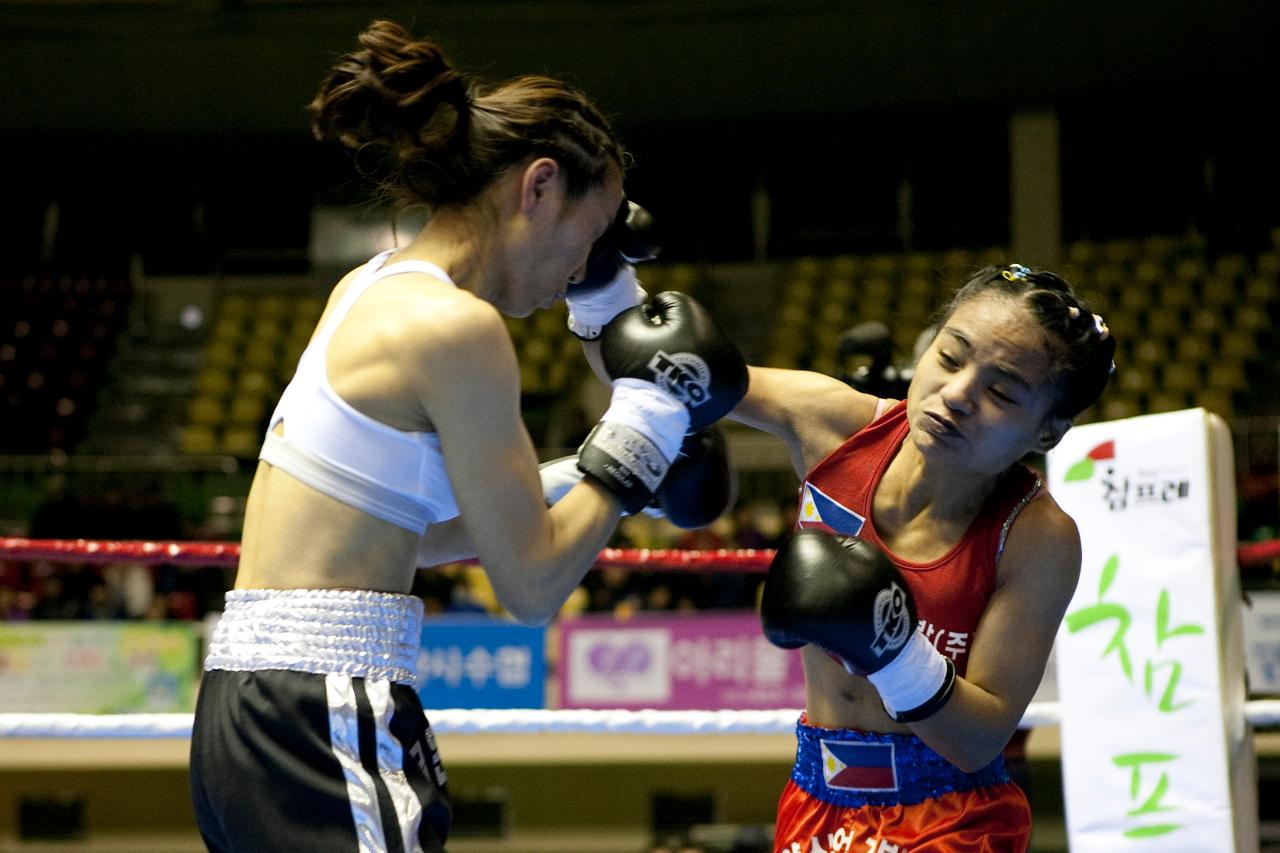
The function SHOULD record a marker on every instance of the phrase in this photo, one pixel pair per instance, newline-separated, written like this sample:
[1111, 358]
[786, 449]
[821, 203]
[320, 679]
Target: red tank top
[952, 591]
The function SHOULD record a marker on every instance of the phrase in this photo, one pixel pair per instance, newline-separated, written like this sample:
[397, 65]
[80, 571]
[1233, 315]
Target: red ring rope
[228, 553]
[638, 559]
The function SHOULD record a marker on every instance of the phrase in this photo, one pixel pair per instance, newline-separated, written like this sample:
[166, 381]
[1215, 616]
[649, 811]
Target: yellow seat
[246, 411]
[198, 439]
[846, 266]
[1206, 323]
[1135, 300]
[833, 314]
[1190, 269]
[1136, 379]
[1231, 266]
[1149, 353]
[557, 375]
[273, 307]
[1227, 376]
[959, 263]
[1238, 345]
[920, 264]
[1082, 253]
[1250, 318]
[308, 310]
[1179, 297]
[1165, 401]
[205, 410]
[876, 289]
[1162, 323]
[806, 267]
[1261, 289]
[1268, 264]
[1180, 377]
[1159, 248]
[838, 290]
[536, 350]
[265, 329]
[799, 292]
[1216, 400]
[886, 265]
[1193, 350]
[532, 378]
[227, 329]
[1119, 407]
[221, 354]
[1149, 274]
[213, 382]
[1120, 251]
[235, 306]
[996, 256]
[1217, 292]
[240, 441]
[259, 355]
[254, 383]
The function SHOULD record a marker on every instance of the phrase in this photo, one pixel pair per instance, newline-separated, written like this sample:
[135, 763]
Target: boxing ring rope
[227, 554]
[468, 721]
[479, 721]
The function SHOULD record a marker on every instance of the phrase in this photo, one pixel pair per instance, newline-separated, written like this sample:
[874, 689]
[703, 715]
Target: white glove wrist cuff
[590, 312]
[912, 678]
[652, 412]
[558, 477]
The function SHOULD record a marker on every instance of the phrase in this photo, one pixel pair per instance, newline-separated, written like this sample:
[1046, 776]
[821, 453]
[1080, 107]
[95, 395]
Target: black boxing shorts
[308, 732]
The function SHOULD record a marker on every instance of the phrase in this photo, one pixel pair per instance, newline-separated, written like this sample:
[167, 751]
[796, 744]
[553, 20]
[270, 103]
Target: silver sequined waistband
[321, 631]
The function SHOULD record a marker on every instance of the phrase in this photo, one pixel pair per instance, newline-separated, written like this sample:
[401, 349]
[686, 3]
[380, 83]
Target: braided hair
[444, 137]
[1081, 347]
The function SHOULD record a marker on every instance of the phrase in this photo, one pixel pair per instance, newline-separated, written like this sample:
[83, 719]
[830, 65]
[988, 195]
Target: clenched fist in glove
[845, 597]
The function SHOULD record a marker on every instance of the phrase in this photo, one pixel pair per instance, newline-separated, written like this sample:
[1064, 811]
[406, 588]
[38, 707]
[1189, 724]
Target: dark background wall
[176, 129]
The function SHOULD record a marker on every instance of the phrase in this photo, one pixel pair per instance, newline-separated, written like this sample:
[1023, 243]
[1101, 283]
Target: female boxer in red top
[899, 746]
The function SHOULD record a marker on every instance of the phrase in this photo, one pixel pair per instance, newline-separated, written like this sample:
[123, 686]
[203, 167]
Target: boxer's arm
[811, 413]
[1037, 577]
[534, 557]
[445, 542]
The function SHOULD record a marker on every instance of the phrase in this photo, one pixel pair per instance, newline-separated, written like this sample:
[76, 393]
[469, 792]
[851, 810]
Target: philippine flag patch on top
[825, 513]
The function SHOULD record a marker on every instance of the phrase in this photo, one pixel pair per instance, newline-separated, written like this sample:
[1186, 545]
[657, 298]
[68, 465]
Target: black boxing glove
[609, 285]
[701, 484]
[671, 341]
[846, 597]
[632, 238]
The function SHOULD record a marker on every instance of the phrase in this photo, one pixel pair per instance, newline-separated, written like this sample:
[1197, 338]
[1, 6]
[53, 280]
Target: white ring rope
[524, 721]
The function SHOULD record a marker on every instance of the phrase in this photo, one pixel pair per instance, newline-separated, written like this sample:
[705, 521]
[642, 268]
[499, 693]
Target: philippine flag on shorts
[825, 513]
[858, 766]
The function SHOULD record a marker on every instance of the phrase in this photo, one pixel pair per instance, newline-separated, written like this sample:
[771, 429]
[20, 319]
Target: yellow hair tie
[1015, 272]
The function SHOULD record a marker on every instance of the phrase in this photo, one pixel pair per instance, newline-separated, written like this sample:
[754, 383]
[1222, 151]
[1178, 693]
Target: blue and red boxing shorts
[889, 793]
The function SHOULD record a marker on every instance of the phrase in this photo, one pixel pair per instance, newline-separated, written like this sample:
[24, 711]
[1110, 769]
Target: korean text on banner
[1149, 655]
[683, 662]
[481, 662]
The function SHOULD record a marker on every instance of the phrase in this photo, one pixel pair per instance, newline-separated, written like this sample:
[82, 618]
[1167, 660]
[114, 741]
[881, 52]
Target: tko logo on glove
[892, 620]
[683, 375]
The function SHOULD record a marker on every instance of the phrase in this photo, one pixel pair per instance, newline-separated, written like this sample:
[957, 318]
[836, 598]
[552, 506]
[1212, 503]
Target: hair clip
[1015, 272]
[1073, 312]
[1101, 326]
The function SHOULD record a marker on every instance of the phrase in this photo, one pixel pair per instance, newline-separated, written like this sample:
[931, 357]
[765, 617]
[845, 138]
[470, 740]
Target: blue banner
[480, 662]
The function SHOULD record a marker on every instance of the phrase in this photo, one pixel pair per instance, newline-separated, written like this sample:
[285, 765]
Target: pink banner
[680, 662]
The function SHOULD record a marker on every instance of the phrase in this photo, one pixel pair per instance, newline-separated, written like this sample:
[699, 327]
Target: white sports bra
[391, 474]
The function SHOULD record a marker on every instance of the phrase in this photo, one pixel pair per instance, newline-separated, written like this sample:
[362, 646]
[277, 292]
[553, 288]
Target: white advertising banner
[1155, 753]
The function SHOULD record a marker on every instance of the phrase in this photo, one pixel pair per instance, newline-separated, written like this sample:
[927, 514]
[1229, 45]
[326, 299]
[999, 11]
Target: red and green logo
[1083, 469]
